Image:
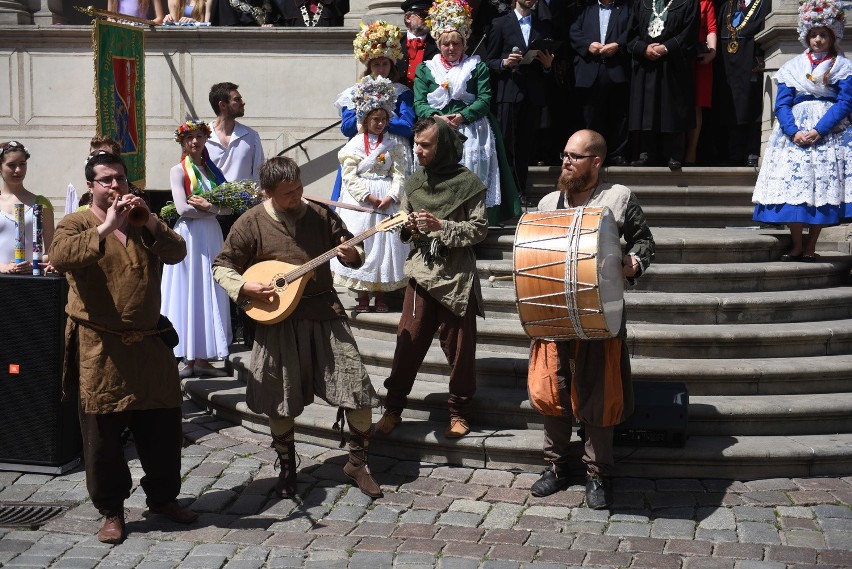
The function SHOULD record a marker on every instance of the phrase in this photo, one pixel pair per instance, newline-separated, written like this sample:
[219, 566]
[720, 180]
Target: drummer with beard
[593, 376]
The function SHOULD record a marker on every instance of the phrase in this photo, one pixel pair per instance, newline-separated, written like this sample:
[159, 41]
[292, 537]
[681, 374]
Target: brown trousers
[597, 451]
[421, 317]
[158, 437]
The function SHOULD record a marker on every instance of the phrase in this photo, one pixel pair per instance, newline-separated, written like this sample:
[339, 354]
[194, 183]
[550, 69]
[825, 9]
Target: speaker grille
[35, 426]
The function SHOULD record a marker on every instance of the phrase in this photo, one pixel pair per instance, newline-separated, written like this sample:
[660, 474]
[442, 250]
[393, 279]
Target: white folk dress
[811, 184]
[197, 306]
[377, 170]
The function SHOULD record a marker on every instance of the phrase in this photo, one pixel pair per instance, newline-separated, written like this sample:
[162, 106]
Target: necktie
[414, 45]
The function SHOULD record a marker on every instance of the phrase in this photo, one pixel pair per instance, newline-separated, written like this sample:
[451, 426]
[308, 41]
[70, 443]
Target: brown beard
[573, 183]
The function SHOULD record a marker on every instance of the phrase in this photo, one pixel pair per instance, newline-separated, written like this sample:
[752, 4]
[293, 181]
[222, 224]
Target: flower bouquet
[239, 197]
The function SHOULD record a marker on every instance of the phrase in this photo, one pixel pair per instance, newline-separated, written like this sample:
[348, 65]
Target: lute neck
[327, 256]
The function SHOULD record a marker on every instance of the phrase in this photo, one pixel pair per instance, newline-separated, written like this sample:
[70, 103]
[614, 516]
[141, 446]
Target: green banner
[120, 91]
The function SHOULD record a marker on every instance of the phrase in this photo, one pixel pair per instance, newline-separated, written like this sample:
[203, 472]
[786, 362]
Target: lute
[290, 280]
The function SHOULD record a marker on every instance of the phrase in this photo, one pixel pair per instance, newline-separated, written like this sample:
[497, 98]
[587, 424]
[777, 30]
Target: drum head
[610, 274]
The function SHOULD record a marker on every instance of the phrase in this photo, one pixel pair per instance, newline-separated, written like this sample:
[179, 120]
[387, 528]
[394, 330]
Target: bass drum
[567, 269]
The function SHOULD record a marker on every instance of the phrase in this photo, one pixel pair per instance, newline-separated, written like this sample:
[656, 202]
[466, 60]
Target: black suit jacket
[430, 50]
[528, 81]
[586, 29]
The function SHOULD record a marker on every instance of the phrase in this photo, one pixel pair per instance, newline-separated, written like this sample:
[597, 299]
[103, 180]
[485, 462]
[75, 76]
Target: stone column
[14, 12]
[780, 43]
[387, 10]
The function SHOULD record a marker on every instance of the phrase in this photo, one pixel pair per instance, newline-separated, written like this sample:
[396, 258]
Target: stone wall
[288, 77]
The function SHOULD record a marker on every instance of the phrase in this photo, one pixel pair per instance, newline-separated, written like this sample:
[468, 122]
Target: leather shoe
[457, 429]
[388, 422]
[598, 492]
[175, 512]
[674, 164]
[551, 482]
[210, 372]
[751, 161]
[113, 529]
[186, 371]
[617, 161]
[787, 258]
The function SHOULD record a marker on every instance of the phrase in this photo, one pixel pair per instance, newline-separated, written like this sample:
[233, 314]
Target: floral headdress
[371, 93]
[820, 14]
[450, 16]
[189, 126]
[13, 146]
[379, 39]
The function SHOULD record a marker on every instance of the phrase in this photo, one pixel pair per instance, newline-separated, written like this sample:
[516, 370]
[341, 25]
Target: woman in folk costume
[805, 178]
[197, 307]
[373, 171]
[456, 88]
[377, 46]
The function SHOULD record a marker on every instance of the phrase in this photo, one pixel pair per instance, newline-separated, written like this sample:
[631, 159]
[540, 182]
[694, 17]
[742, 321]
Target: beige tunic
[115, 288]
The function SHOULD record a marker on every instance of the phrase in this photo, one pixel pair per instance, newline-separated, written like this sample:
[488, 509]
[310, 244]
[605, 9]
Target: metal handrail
[311, 137]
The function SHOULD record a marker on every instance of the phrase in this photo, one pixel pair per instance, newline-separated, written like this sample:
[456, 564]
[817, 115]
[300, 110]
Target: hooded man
[446, 206]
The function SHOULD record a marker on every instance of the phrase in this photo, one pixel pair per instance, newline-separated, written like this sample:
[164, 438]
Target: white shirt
[242, 159]
[604, 12]
[526, 26]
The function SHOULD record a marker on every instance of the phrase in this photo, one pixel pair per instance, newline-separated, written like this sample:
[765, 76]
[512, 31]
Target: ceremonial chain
[734, 45]
[657, 25]
[309, 23]
[259, 14]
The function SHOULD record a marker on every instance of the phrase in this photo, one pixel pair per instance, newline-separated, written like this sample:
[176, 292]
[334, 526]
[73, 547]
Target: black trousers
[520, 125]
[159, 438]
[605, 111]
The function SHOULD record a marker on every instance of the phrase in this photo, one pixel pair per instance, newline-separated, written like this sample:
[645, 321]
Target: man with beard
[593, 375]
[234, 148]
[417, 44]
[446, 205]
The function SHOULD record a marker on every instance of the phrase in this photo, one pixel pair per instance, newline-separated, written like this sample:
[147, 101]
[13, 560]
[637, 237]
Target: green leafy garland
[239, 197]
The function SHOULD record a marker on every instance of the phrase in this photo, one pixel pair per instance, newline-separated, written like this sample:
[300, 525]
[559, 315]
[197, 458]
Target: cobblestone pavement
[431, 516]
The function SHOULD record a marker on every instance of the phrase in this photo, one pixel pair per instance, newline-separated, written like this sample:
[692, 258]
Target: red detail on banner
[14, 369]
[124, 72]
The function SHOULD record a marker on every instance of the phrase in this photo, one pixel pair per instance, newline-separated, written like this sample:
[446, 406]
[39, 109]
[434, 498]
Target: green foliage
[239, 197]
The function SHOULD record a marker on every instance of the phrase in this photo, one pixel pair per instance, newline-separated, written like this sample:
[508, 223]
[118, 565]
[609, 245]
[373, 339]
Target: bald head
[591, 142]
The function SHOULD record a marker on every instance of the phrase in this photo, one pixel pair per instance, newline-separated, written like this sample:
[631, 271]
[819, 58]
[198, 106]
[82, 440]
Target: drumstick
[493, 278]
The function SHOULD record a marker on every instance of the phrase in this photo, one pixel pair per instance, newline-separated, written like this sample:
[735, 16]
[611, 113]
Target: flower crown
[371, 93]
[820, 14]
[189, 126]
[450, 16]
[379, 39]
[13, 145]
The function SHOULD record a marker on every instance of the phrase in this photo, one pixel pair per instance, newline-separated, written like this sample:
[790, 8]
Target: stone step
[712, 415]
[641, 180]
[708, 308]
[831, 270]
[656, 340]
[703, 377]
[674, 245]
[731, 457]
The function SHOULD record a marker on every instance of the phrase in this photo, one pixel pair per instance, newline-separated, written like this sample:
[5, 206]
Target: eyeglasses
[107, 181]
[574, 157]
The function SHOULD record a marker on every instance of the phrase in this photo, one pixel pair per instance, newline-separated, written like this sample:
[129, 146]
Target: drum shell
[556, 276]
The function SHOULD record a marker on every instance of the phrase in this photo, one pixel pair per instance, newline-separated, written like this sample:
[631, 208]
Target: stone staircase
[764, 347]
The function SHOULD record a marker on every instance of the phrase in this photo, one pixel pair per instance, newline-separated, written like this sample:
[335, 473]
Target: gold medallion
[733, 46]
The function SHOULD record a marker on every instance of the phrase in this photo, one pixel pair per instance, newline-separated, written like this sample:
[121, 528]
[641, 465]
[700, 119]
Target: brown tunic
[312, 353]
[115, 288]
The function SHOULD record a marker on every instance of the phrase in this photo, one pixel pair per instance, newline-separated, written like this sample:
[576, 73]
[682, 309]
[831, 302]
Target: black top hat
[411, 5]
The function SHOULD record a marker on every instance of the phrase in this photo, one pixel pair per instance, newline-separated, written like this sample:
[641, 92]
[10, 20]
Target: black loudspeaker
[660, 416]
[38, 431]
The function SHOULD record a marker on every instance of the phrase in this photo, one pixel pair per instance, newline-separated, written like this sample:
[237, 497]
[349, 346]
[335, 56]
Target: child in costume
[373, 169]
[805, 178]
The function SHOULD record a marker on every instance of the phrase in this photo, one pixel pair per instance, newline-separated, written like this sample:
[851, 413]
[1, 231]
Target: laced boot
[356, 468]
[285, 446]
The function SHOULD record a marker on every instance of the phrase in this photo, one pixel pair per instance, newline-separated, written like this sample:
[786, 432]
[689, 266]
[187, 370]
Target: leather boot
[285, 446]
[113, 528]
[356, 468]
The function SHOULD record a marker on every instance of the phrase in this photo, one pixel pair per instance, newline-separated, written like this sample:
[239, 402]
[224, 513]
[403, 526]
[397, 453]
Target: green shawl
[442, 186]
